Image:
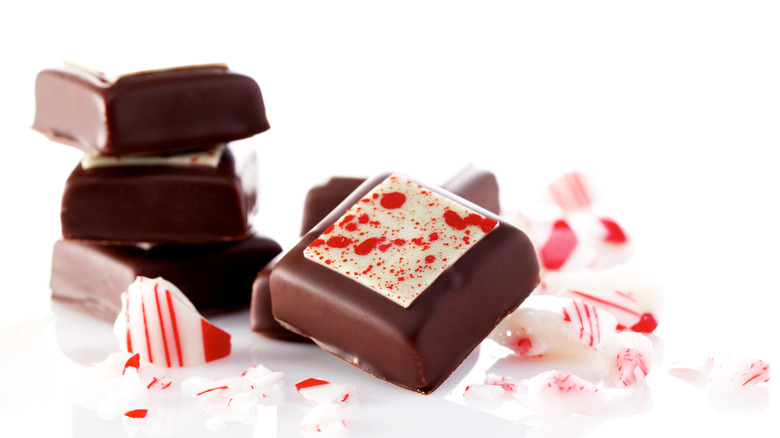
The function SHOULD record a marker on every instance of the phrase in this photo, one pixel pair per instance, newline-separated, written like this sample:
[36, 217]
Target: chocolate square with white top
[403, 280]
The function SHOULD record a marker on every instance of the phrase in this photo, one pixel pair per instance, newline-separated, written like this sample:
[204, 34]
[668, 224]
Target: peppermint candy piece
[628, 357]
[572, 191]
[493, 388]
[551, 325]
[632, 296]
[160, 324]
[560, 393]
[322, 392]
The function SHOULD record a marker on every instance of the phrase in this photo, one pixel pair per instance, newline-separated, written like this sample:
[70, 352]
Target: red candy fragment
[559, 246]
[133, 362]
[309, 383]
[614, 233]
[137, 413]
[646, 324]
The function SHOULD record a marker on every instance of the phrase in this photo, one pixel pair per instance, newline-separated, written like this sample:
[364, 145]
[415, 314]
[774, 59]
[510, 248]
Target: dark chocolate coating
[214, 277]
[416, 347]
[149, 112]
[323, 198]
[158, 204]
[478, 186]
[261, 318]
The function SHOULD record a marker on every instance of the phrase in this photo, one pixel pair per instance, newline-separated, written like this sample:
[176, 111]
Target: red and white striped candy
[732, 373]
[573, 191]
[634, 297]
[321, 391]
[560, 393]
[493, 388]
[160, 324]
[621, 305]
[551, 325]
[628, 357]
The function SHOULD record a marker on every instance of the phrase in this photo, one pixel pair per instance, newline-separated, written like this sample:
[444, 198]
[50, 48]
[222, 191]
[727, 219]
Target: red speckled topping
[398, 238]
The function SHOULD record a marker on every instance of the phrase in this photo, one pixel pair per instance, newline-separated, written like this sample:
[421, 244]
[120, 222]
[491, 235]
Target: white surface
[673, 105]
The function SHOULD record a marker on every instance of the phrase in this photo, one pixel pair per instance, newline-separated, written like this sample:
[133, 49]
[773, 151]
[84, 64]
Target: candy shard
[733, 373]
[321, 391]
[633, 296]
[628, 357]
[555, 326]
[161, 325]
[561, 393]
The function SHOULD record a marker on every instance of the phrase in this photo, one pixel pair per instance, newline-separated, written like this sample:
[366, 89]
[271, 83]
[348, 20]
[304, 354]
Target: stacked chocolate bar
[158, 192]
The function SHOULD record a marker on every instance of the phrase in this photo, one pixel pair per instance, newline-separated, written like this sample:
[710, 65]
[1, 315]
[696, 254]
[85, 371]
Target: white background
[672, 105]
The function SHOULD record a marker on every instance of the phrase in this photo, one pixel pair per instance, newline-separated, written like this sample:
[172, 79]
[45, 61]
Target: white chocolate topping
[399, 238]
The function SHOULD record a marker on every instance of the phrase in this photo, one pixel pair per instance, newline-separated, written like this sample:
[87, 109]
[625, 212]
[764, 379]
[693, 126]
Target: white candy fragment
[493, 388]
[236, 398]
[560, 393]
[732, 373]
[628, 357]
[557, 326]
[726, 374]
[325, 419]
[634, 297]
[120, 385]
[158, 322]
[320, 391]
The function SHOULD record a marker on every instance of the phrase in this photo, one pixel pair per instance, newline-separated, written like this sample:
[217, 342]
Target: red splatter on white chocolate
[550, 325]
[160, 324]
[399, 238]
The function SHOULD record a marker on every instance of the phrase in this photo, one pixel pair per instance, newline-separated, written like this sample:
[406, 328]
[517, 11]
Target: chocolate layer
[159, 204]
[416, 347]
[148, 112]
[215, 276]
[478, 186]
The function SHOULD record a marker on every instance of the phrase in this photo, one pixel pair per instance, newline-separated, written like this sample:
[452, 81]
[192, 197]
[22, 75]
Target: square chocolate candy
[403, 280]
[147, 112]
[158, 204]
[214, 277]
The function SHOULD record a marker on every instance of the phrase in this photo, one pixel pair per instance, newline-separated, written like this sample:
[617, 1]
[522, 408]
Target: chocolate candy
[179, 204]
[147, 112]
[214, 277]
[403, 280]
[323, 198]
[478, 186]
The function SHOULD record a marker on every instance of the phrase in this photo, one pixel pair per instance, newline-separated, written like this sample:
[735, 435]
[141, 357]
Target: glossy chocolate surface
[158, 204]
[215, 277]
[149, 112]
[416, 347]
[478, 186]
